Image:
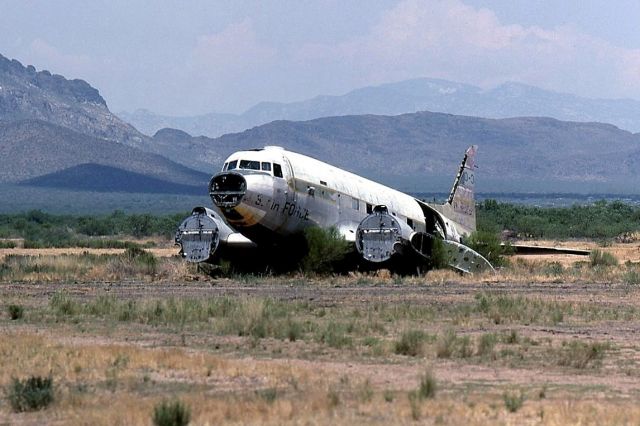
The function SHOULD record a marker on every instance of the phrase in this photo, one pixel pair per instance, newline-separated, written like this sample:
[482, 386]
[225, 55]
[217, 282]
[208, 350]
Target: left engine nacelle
[199, 235]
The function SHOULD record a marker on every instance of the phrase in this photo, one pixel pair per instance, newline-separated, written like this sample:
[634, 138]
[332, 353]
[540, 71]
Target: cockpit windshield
[249, 165]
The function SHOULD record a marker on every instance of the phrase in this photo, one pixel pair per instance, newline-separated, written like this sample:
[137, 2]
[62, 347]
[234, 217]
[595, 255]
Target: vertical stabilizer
[461, 200]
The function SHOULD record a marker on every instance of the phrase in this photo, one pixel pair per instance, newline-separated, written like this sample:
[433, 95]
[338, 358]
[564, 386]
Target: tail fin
[461, 200]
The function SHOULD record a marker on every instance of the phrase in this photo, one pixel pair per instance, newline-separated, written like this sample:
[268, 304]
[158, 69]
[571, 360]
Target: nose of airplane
[226, 189]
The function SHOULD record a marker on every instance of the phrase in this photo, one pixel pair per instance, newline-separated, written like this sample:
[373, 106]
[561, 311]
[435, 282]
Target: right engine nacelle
[380, 235]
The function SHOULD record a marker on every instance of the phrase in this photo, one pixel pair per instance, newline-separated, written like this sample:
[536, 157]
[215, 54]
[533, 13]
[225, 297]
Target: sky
[200, 56]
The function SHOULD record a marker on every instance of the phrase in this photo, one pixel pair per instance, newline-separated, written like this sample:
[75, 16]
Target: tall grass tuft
[15, 312]
[513, 401]
[174, 413]
[582, 355]
[602, 258]
[411, 343]
[428, 386]
[32, 394]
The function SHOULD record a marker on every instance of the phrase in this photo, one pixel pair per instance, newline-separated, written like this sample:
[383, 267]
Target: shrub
[34, 393]
[486, 344]
[335, 335]
[631, 276]
[366, 391]
[15, 311]
[410, 343]
[582, 355]
[63, 305]
[513, 401]
[326, 249]
[428, 386]
[440, 258]
[488, 245]
[511, 338]
[142, 258]
[446, 346]
[171, 414]
[7, 244]
[268, 395]
[293, 330]
[602, 258]
[333, 397]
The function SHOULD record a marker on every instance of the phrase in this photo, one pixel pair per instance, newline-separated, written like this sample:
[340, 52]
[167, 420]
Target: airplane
[263, 196]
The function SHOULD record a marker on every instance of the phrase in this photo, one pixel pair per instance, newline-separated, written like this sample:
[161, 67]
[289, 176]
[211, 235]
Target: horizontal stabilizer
[464, 259]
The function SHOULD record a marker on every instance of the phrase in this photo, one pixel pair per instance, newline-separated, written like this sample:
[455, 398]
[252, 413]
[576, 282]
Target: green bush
[63, 305]
[173, 413]
[632, 276]
[486, 344]
[335, 335]
[582, 355]
[16, 312]
[7, 244]
[440, 258]
[268, 395]
[34, 393]
[602, 258]
[513, 401]
[411, 343]
[488, 245]
[326, 248]
[142, 259]
[597, 221]
[428, 386]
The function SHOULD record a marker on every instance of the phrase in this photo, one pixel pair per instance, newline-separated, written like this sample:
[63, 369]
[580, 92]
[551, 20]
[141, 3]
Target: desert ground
[550, 339]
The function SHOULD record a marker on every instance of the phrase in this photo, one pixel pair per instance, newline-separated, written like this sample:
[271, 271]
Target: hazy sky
[190, 57]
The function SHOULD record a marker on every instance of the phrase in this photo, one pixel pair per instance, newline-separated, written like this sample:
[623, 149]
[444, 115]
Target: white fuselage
[287, 192]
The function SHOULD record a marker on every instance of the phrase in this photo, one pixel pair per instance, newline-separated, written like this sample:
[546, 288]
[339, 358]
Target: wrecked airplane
[266, 195]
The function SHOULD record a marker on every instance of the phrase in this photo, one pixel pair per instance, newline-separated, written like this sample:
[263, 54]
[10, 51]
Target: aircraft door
[289, 178]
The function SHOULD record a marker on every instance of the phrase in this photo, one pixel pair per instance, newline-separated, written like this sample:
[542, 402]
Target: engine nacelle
[380, 235]
[198, 235]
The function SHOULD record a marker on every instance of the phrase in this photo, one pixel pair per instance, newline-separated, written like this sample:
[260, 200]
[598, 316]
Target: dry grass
[223, 390]
[119, 349]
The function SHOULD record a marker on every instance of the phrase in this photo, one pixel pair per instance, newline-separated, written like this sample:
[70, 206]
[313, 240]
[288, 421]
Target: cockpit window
[249, 165]
[277, 170]
[225, 166]
[232, 164]
[266, 167]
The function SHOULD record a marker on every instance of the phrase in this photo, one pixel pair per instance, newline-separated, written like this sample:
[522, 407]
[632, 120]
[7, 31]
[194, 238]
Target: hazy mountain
[28, 94]
[99, 178]
[30, 148]
[49, 124]
[507, 100]
[421, 151]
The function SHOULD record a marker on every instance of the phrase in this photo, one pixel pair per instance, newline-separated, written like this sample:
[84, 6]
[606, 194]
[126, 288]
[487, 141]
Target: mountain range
[506, 100]
[49, 124]
[56, 132]
[421, 151]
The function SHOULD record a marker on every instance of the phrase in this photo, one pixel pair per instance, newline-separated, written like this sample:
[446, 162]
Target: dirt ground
[240, 379]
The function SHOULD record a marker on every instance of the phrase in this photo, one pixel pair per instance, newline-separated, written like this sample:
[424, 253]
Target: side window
[277, 170]
[355, 204]
[369, 208]
[225, 166]
[266, 167]
[232, 165]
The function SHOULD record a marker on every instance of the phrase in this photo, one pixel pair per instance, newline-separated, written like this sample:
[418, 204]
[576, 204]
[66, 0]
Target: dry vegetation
[545, 341]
